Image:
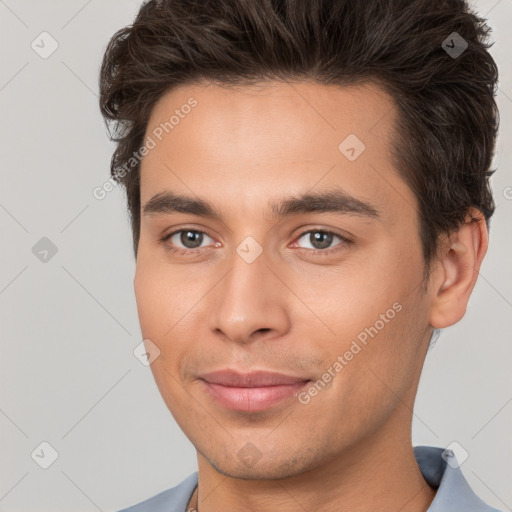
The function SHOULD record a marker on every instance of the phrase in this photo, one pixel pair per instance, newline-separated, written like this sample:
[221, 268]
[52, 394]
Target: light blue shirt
[453, 492]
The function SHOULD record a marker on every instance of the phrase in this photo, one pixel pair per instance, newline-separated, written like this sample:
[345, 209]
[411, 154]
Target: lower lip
[252, 399]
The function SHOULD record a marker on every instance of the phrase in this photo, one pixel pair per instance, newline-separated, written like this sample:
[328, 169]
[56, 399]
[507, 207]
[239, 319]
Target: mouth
[252, 392]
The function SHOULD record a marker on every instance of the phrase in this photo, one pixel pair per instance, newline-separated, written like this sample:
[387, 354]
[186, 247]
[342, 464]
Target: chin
[263, 469]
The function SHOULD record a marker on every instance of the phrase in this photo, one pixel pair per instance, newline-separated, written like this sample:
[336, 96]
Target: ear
[458, 262]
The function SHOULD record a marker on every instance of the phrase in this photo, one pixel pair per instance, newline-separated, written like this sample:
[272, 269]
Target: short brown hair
[448, 119]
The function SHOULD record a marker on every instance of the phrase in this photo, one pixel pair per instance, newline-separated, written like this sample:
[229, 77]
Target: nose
[250, 303]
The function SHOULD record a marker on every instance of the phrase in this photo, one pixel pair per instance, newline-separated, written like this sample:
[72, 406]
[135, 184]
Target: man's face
[252, 290]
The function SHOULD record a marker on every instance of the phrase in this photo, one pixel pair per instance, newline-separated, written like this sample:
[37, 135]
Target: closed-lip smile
[251, 392]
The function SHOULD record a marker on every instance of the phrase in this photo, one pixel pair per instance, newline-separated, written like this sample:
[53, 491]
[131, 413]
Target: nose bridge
[249, 298]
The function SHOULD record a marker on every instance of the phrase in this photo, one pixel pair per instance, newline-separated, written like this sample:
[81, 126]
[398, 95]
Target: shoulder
[174, 499]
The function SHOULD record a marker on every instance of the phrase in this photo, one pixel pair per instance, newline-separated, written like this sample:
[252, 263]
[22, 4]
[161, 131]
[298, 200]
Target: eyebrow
[332, 201]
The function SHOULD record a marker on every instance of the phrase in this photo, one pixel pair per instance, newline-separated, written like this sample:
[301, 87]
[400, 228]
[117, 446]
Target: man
[308, 184]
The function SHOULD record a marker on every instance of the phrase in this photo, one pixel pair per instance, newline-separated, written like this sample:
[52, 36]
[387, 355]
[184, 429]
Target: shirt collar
[441, 470]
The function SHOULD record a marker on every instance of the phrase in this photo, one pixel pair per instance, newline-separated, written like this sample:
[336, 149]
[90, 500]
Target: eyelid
[164, 239]
[345, 241]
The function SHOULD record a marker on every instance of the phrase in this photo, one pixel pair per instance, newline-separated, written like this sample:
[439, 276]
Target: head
[255, 126]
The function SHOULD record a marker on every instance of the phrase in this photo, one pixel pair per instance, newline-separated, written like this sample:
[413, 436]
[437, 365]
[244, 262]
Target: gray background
[69, 325]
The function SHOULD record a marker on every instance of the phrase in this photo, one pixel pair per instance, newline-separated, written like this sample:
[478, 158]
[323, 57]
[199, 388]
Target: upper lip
[253, 379]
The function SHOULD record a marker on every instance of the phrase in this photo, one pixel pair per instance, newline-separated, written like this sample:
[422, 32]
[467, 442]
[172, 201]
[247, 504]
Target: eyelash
[191, 252]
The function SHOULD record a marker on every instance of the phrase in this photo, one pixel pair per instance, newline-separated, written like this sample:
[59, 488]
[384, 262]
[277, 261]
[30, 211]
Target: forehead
[253, 141]
[255, 115]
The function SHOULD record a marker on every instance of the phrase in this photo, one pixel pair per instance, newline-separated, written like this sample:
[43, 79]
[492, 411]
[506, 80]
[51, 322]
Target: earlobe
[459, 261]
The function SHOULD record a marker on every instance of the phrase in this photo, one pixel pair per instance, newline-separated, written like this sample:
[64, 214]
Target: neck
[379, 472]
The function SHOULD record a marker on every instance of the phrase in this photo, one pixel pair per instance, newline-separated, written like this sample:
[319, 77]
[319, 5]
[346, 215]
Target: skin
[291, 310]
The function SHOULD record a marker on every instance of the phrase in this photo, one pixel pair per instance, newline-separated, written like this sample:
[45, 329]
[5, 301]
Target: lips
[250, 380]
[251, 392]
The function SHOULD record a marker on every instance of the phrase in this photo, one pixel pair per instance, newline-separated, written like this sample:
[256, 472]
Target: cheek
[168, 303]
[357, 295]
[377, 316]
[149, 300]
[162, 306]
[382, 356]
[163, 296]
[364, 382]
